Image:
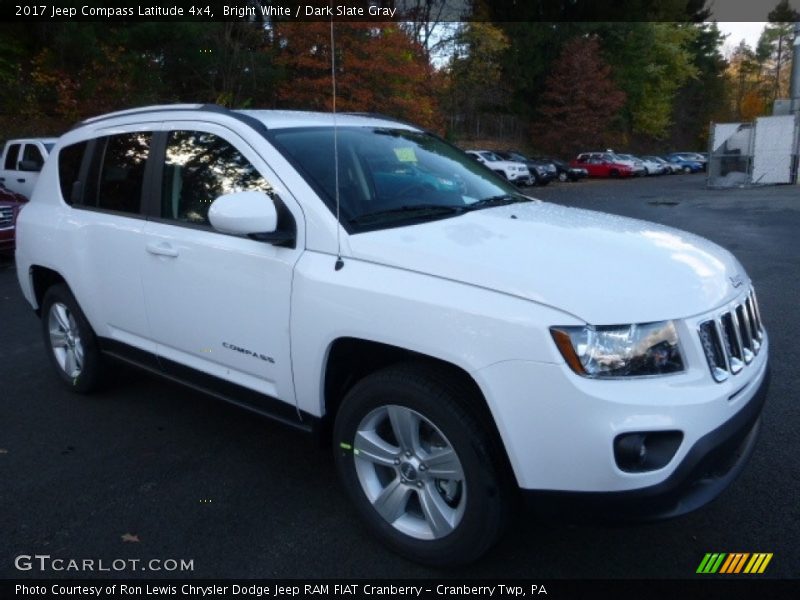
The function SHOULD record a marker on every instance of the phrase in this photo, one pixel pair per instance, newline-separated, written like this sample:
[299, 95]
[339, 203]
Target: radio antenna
[339, 262]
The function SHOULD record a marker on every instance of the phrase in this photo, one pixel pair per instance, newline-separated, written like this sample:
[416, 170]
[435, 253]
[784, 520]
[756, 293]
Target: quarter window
[69, 166]
[198, 168]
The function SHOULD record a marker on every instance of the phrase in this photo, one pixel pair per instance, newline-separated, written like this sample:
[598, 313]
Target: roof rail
[247, 119]
[374, 115]
[142, 109]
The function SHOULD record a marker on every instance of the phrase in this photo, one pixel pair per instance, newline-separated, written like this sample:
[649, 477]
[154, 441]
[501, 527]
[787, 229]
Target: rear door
[109, 236]
[30, 164]
[9, 168]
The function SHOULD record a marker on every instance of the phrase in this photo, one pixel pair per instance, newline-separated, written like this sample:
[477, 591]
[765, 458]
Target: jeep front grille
[6, 216]
[732, 339]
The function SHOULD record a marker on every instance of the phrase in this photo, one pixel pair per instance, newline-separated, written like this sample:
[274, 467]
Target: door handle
[21, 180]
[161, 249]
[2, 178]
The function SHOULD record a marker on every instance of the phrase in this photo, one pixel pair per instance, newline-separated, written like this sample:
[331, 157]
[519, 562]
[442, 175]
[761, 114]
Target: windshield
[389, 177]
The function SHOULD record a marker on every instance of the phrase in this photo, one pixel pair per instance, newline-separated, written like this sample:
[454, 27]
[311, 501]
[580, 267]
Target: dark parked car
[564, 172]
[542, 171]
[10, 204]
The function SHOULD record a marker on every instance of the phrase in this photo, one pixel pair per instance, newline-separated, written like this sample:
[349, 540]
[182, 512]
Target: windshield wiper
[501, 200]
[411, 211]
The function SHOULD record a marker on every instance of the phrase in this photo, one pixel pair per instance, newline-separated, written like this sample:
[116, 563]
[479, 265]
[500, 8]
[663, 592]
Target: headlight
[620, 350]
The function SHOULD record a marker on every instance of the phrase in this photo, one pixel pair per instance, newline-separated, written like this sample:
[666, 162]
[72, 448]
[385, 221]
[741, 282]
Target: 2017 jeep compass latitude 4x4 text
[462, 343]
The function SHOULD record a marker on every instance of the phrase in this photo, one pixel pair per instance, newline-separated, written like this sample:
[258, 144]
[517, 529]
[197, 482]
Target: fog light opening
[637, 452]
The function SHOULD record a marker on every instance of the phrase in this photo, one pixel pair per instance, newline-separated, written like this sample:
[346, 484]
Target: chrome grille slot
[732, 339]
[6, 216]
[709, 336]
[733, 342]
[747, 336]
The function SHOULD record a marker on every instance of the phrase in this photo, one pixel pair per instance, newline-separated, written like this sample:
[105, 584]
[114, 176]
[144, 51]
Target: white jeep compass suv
[463, 344]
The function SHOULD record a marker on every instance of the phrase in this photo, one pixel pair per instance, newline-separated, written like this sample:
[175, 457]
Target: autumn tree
[652, 62]
[379, 68]
[746, 83]
[701, 99]
[476, 85]
[580, 101]
[774, 49]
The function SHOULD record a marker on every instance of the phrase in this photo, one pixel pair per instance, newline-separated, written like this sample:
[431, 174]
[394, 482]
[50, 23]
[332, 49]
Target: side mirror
[248, 213]
[30, 165]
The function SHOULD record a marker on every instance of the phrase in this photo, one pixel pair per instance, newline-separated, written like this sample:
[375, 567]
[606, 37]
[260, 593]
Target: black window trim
[150, 200]
[92, 165]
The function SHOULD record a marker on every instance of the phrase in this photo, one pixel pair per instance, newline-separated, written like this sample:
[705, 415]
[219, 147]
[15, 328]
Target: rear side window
[198, 168]
[11, 157]
[69, 167]
[118, 172]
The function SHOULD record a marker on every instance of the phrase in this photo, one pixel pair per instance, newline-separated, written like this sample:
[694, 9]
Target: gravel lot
[192, 478]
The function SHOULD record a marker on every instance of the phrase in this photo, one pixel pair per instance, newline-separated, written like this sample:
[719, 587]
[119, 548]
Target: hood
[601, 268]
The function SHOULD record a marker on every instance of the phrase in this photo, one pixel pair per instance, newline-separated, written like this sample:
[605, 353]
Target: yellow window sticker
[405, 154]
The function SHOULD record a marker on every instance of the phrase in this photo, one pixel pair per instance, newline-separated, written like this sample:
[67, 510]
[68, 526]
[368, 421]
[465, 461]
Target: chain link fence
[760, 153]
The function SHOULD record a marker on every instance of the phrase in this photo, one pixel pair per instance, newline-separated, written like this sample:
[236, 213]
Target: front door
[217, 303]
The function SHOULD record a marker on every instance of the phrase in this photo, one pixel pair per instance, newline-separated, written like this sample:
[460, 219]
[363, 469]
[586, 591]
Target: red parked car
[600, 164]
[10, 204]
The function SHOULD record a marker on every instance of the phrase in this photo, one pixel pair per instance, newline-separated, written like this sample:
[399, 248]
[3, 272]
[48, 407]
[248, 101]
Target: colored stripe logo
[734, 563]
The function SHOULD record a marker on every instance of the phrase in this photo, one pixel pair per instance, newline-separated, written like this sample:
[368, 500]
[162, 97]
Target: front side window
[389, 177]
[33, 155]
[118, 172]
[198, 168]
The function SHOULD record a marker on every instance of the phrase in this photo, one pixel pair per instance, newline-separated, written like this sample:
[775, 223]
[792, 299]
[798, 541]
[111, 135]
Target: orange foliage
[580, 102]
[752, 106]
[102, 85]
[379, 68]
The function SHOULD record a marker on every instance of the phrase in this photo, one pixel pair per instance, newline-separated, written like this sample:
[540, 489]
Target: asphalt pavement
[148, 470]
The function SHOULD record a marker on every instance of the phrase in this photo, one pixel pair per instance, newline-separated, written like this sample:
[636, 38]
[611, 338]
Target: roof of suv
[272, 119]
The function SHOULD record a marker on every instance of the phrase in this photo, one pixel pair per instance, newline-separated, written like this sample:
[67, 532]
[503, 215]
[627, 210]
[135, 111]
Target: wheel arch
[351, 359]
[42, 279]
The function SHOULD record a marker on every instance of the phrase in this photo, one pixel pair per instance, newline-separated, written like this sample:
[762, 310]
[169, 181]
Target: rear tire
[396, 430]
[71, 344]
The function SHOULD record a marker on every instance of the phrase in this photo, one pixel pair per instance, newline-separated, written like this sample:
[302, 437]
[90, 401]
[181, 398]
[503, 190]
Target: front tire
[418, 465]
[70, 341]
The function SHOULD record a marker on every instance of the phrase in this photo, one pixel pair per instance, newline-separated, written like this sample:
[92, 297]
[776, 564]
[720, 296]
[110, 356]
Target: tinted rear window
[69, 166]
[118, 172]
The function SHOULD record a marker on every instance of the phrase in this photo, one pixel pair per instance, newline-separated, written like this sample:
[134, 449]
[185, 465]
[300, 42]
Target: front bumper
[710, 466]
[559, 429]
[520, 178]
